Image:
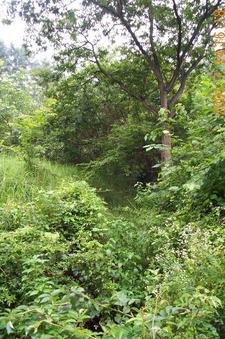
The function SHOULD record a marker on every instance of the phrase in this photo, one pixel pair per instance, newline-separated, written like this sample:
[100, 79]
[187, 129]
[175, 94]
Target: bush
[18, 246]
[71, 208]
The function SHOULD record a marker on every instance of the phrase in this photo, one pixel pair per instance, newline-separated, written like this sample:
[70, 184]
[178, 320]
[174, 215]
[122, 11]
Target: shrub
[16, 247]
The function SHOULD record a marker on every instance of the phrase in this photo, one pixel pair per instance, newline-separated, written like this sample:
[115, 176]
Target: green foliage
[195, 180]
[73, 207]
[18, 246]
[15, 100]
[88, 121]
[30, 130]
[20, 118]
[123, 161]
[56, 312]
[37, 261]
[152, 267]
[19, 184]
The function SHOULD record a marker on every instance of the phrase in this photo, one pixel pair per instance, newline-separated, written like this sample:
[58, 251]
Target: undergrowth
[72, 268]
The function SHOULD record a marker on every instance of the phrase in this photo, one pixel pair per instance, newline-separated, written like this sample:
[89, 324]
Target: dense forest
[112, 171]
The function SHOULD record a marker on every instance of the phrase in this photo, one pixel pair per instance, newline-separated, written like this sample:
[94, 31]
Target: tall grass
[18, 182]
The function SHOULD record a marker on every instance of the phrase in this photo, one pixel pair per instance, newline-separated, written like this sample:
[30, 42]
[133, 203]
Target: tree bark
[166, 137]
[166, 152]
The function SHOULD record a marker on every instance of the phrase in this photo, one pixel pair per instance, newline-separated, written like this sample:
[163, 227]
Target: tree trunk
[166, 152]
[166, 137]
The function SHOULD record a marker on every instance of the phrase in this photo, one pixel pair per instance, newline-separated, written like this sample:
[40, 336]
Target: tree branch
[190, 43]
[178, 49]
[184, 77]
[205, 16]
[179, 23]
[119, 15]
[156, 65]
[121, 84]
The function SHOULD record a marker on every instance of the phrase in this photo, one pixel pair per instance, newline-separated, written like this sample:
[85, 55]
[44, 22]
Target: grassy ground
[17, 182]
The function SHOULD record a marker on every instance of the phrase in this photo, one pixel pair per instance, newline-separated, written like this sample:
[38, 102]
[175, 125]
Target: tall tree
[171, 37]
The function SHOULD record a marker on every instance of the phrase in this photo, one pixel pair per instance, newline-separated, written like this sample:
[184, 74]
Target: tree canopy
[172, 39]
